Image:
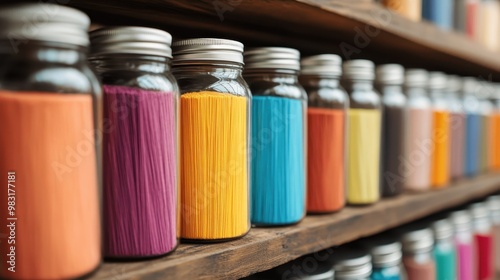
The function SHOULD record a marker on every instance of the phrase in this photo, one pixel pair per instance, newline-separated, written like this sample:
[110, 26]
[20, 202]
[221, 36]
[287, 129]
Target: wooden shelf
[265, 248]
[313, 26]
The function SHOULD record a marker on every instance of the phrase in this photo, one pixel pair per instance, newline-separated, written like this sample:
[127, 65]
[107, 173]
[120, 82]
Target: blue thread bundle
[472, 144]
[278, 161]
[440, 12]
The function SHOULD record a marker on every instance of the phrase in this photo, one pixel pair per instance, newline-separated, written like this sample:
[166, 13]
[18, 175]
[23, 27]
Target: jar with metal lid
[486, 108]
[419, 144]
[495, 119]
[464, 242]
[140, 147]
[494, 208]
[444, 249]
[50, 114]
[440, 164]
[326, 125]
[483, 241]
[417, 254]
[389, 81]
[364, 133]
[457, 126]
[470, 87]
[278, 136]
[352, 264]
[215, 133]
[317, 266]
[386, 253]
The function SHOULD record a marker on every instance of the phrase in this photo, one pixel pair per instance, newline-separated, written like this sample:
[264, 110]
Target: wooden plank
[264, 248]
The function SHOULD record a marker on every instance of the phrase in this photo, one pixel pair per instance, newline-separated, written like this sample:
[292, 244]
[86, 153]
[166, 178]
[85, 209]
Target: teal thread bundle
[278, 165]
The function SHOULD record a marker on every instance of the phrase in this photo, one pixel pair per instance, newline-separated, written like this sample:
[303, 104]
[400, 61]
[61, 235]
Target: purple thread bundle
[140, 172]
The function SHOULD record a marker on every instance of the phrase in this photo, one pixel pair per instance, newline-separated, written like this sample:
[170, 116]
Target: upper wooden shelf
[313, 26]
[265, 248]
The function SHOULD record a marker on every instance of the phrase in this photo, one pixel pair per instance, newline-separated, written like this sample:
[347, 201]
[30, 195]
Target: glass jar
[472, 109]
[486, 107]
[464, 243]
[278, 136]
[326, 137]
[351, 264]
[386, 255]
[389, 81]
[444, 249]
[417, 254]
[50, 113]
[140, 148]
[457, 127]
[416, 168]
[495, 118]
[440, 164]
[494, 208]
[364, 133]
[215, 133]
[483, 241]
[317, 266]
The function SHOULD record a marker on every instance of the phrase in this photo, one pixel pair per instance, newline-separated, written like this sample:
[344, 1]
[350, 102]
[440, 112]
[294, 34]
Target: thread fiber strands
[472, 144]
[446, 267]
[278, 171]
[325, 160]
[485, 256]
[440, 168]
[495, 131]
[214, 166]
[419, 152]
[363, 156]
[485, 141]
[457, 143]
[393, 144]
[466, 261]
[48, 140]
[423, 270]
[139, 172]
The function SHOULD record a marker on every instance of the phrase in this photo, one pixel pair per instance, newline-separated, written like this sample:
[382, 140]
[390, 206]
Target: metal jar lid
[454, 83]
[390, 74]
[437, 81]
[272, 58]
[323, 64]
[351, 263]
[130, 40]
[386, 250]
[417, 240]
[44, 22]
[443, 229]
[359, 69]
[311, 268]
[416, 78]
[193, 51]
[461, 220]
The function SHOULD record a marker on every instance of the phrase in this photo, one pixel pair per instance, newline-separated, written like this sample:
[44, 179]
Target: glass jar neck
[139, 63]
[359, 85]
[438, 93]
[319, 81]
[390, 89]
[274, 75]
[44, 52]
[416, 92]
[228, 70]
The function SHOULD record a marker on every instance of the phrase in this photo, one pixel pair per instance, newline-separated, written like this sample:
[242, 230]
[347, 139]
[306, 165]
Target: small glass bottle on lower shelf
[326, 126]
[469, 93]
[215, 132]
[386, 253]
[464, 243]
[494, 208]
[363, 133]
[351, 263]
[444, 249]
[140, 141]
[279, 136]
[418, 259]
[483, 241]
[457, 127]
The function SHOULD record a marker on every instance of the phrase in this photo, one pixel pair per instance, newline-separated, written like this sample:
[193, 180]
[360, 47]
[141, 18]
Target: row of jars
[241, 150]
[461, 244]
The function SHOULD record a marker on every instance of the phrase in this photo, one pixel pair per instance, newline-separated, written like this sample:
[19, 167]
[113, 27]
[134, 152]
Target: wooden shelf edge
[265, 248]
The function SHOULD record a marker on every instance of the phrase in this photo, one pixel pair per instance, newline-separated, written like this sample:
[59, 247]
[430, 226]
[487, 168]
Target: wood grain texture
[265, 248]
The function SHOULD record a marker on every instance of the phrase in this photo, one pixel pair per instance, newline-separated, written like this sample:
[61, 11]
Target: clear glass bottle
[326, 129]
[494, 208]
[386, 253]
[389, 81]
[417, 167]
[486, 107]
[351, 264]
[140, 148]
[440, 164]
[364, 133]
[279, 136]
[483, 241]
[50, 111]
[417, 254]
[457, 127]
[464, 242]
[471, 103]
[215, 132]
[444, 249]
[495, 118]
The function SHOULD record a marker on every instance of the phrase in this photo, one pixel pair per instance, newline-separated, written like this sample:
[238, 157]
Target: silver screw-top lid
[443, 229]
[44, 22]
[272, 58]
[416, 78]
[352, 264]
[390, 74]
[480, 215]
[494, 208]
[194, 51]
[437, 81]
[386, 250]
[454, 84]
[312, 268]
[461, 220]
[359, 69]
[323, 64]
[419, 240]
[130, 40]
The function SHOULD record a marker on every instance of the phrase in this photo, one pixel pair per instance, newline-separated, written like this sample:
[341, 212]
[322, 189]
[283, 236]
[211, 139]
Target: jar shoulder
[143, 80]
[327, 97]
[365, 99]
[195, 82]
[273, 88]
